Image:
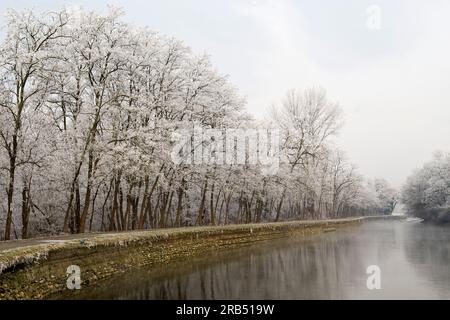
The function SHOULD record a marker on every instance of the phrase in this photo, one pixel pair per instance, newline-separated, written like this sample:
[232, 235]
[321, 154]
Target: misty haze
[233, 150]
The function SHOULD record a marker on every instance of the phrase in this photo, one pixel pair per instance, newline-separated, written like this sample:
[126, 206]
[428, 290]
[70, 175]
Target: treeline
[426, 194]
[88, 105]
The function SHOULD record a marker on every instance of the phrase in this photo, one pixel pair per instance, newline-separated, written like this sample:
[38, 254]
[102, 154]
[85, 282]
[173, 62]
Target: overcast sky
[393, 83]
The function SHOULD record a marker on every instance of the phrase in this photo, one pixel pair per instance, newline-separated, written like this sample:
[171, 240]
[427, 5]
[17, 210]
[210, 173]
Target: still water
[414, 259]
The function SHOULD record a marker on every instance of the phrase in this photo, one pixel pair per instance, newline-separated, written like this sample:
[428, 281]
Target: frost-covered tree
[426, 193]
[24, 55]
[88, 105]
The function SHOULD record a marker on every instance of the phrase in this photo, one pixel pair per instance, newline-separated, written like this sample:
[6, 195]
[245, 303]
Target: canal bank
[38, 270]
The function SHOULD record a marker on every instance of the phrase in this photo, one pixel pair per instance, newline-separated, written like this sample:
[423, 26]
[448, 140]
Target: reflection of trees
[317, 267]
[428, 250]
[309, 269]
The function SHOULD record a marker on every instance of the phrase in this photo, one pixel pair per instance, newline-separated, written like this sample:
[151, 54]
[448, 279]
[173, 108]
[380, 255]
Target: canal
[413, 258]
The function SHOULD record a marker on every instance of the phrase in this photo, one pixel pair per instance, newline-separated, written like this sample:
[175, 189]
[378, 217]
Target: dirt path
[13, 244]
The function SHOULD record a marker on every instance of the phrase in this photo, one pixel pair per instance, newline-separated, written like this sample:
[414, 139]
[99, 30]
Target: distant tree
[426, 193]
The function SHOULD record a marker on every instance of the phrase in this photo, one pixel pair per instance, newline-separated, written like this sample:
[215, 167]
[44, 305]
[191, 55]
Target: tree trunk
[212, 211]
[10, 194]
[87, 197]
[180, 204]
[25, 211]
[280, 205]
[201, 210]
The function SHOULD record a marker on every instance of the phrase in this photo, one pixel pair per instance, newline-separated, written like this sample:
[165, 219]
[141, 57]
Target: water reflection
[428, 249]
[413, 257]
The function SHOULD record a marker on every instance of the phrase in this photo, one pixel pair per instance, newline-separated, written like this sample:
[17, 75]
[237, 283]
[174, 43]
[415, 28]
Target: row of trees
[426, 193]
[88, 105]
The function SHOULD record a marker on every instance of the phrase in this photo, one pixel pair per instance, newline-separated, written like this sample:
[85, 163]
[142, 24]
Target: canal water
[413, 257]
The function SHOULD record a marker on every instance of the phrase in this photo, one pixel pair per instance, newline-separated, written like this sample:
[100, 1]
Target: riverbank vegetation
[426, 193]
[88, 104]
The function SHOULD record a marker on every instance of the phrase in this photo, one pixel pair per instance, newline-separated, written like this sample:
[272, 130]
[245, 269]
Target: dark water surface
[414, 259]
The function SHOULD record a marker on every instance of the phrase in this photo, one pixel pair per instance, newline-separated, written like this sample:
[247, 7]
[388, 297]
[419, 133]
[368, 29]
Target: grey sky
[393, 83]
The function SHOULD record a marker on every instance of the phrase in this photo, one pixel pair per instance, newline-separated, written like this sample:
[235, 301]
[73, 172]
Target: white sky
[393, 84]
